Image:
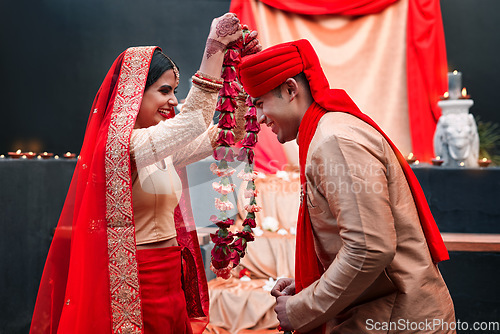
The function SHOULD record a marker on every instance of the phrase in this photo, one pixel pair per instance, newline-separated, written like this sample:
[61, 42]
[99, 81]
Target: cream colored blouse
[156, 190]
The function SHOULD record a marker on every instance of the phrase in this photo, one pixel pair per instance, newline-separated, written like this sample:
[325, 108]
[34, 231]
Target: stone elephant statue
[456, 140]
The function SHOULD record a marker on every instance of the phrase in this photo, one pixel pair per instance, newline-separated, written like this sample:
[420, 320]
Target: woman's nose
[173, 101]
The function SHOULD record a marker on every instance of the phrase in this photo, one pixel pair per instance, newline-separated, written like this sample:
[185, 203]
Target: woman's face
[158, 101]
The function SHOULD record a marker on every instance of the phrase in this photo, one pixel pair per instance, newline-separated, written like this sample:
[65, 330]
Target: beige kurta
[379, 275]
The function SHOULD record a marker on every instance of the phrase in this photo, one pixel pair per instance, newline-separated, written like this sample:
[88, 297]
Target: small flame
[464, 92]
[484, 159]
[18, 151]
[455, 72]
[410, 156]
[438, 158]
[446, 95]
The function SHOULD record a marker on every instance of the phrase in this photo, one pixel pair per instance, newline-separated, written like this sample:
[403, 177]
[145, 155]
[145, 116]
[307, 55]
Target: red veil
[90, 281]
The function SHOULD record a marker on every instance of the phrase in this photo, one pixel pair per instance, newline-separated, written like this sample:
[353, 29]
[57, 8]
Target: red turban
[266, 70]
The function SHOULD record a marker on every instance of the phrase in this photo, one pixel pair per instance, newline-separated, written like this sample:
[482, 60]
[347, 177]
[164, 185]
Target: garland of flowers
[230, 247]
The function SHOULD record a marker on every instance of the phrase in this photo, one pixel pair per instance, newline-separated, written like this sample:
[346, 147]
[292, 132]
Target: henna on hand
[213, 46]
[227, 26]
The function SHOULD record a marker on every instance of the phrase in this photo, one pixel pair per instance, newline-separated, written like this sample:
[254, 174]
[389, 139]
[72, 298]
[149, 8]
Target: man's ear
[292, 88]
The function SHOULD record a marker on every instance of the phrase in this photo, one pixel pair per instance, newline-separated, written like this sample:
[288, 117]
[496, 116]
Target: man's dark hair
[300, 78]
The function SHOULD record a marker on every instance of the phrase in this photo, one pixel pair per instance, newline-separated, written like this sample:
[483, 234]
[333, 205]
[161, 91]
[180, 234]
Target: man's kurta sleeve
[351, 181]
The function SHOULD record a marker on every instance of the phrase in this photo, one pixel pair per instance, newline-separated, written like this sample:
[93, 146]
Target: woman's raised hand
[224, 30]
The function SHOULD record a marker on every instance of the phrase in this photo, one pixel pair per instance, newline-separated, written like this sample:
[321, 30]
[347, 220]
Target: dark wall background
[472, 45]
[55, 54]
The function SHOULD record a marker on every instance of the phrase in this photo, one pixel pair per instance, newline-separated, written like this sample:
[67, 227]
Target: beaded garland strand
[230, 247]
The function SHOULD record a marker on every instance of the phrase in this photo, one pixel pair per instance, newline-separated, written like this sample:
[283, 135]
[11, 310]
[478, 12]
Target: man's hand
[284, 287]
[280, 310]
[252, 44]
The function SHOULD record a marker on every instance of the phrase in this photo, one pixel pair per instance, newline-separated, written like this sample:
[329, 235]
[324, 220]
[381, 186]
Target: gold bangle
[210, 78]
[206, 85]
[206, 89]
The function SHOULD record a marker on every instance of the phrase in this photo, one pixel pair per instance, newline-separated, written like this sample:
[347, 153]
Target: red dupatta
[90, 281]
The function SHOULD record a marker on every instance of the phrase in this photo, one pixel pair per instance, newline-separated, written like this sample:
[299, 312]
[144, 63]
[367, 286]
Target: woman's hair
[159, 64]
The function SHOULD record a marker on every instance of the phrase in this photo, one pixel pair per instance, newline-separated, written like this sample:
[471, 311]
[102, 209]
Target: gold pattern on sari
[123, 271]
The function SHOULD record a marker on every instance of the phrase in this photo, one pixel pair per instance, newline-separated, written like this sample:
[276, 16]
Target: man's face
[278, 114]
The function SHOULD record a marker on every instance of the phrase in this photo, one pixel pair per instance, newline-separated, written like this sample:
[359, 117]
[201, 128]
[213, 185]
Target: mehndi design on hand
[227, 26]
[213, 46]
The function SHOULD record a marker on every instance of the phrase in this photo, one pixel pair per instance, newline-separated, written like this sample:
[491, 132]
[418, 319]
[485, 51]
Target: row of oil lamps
[437, 161]
[31, 155]
[411, 159]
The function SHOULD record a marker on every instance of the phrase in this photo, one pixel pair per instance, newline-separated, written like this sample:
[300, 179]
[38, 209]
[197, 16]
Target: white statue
[456, 139]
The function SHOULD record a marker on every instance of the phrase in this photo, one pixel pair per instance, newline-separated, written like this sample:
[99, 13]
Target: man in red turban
[367, 245]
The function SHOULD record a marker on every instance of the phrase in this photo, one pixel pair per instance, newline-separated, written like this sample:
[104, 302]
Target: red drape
[321, 7]
[426, 54]
[426, 67]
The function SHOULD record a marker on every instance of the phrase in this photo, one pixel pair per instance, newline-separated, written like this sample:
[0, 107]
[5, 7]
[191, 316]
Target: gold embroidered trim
[125, 296]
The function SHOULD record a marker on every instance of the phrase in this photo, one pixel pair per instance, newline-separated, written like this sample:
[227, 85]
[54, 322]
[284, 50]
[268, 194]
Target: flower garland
[230, 247]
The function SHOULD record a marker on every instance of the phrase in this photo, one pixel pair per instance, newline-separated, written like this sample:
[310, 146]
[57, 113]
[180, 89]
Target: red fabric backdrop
[425, 54]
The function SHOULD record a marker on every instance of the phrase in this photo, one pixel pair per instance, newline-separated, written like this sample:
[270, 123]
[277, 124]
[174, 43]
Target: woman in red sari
[121, 244]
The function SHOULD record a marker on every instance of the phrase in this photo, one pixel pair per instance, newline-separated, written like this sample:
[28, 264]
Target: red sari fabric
[90, 283]
[163, 302]
[425, 53]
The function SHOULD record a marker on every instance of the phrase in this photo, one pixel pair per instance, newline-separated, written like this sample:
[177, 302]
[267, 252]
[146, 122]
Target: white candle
[455, 84]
